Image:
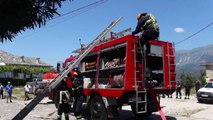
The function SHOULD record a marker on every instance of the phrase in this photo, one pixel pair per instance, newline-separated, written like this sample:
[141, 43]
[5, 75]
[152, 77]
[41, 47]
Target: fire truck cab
[119, 72]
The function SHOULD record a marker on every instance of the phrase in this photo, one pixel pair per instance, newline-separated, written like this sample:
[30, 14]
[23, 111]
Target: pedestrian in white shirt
[26, 91]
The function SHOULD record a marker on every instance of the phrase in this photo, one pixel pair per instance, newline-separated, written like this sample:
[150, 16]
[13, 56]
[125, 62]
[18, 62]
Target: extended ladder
[140, 89]
[59, 78]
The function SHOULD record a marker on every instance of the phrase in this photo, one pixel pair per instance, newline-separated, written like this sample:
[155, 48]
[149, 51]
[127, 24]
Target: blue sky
[178, 19]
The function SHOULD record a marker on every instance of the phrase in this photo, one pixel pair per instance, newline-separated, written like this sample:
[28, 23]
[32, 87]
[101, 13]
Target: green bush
[14, 81]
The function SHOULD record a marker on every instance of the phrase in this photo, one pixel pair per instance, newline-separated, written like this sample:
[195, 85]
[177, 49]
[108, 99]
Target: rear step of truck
[24, 112]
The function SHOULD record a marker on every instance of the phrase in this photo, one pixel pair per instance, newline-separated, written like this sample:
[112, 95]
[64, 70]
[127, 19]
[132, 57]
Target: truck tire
[199, 100]
[97, 109]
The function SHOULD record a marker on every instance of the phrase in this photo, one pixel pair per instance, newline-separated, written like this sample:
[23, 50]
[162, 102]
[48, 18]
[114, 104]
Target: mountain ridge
[190, 60]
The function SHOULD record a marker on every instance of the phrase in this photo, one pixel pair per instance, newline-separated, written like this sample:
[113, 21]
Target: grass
[18, 93]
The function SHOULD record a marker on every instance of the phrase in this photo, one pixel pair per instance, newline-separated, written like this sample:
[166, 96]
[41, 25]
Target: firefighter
[78, 94]
[64, 99]
[178, 89]
[188, 86]
[148, 25]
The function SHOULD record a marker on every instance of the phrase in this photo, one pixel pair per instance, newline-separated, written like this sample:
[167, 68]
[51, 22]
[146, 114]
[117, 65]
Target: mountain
[190, 60]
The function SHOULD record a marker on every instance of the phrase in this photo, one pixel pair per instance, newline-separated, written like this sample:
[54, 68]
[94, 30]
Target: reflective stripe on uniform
[79, 87]
[66, 93]
[59, 116]
[79, 117]
[152, 21]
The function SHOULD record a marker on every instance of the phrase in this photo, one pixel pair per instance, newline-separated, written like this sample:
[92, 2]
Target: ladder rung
[140, 102]
[142, 112]
[141, 91]
[170, 55]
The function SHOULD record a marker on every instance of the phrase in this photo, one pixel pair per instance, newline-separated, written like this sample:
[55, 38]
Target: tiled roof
[8, 58]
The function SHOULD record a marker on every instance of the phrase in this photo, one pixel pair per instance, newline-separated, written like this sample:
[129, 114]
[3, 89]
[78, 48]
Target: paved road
[174, 109]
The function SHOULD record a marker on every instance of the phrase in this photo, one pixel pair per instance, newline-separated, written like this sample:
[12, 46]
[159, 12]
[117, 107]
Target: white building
[10, 59]
[209, 70]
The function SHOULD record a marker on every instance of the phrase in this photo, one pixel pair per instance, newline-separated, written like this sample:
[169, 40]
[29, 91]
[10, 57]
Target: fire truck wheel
[199, 100]
[97, 109]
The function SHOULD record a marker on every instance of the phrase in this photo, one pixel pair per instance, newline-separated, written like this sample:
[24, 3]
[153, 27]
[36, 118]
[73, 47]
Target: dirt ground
[174, 109]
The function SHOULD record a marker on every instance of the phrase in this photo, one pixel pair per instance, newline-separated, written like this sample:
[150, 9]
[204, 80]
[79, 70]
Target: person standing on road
[197, 86]
[187, 89]
[1, 91]
[9, 91]
[78, 93]
[178, 89]
[147, 24]
[64, 99]
[26, 91]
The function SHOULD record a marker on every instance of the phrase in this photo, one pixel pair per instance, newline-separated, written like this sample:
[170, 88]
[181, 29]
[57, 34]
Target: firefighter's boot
[66, 116]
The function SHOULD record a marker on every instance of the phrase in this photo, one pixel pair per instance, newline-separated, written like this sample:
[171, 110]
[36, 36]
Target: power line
[70, 12]
[194, 34]
[81, 12]
[94, 4]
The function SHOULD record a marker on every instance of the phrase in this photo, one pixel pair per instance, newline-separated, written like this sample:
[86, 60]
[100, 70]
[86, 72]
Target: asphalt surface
[174, 109]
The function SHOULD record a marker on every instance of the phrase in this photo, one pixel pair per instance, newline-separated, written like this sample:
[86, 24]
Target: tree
[23, 69]
[202, 77]
[18, 15]
[187, 77]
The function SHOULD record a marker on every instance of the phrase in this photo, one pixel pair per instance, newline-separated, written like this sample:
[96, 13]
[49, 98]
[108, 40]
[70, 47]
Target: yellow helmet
[139, 16]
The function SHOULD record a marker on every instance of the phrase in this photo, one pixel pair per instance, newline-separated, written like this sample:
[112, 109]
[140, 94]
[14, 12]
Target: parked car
[205, 94]
[37, 86]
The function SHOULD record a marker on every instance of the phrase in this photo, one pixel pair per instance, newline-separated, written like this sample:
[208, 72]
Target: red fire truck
[47, 78]
[119, 72]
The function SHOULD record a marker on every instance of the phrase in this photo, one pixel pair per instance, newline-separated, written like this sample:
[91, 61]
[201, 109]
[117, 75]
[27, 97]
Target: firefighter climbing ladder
[141, 94]
[59, 78]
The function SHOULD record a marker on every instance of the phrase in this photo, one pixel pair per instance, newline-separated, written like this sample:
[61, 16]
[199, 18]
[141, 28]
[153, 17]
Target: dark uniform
[78, 94]
[64, 100]
[197, 86]
[178, 90]
[149, 26]
[187, 89]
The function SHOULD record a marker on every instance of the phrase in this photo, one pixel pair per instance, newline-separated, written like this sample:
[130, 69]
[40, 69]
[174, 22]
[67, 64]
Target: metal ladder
[140, 89]
[170, 50]
[23, 113]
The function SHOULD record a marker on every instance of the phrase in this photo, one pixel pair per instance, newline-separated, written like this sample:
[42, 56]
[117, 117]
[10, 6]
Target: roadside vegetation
[192, 77]
[18, 93]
